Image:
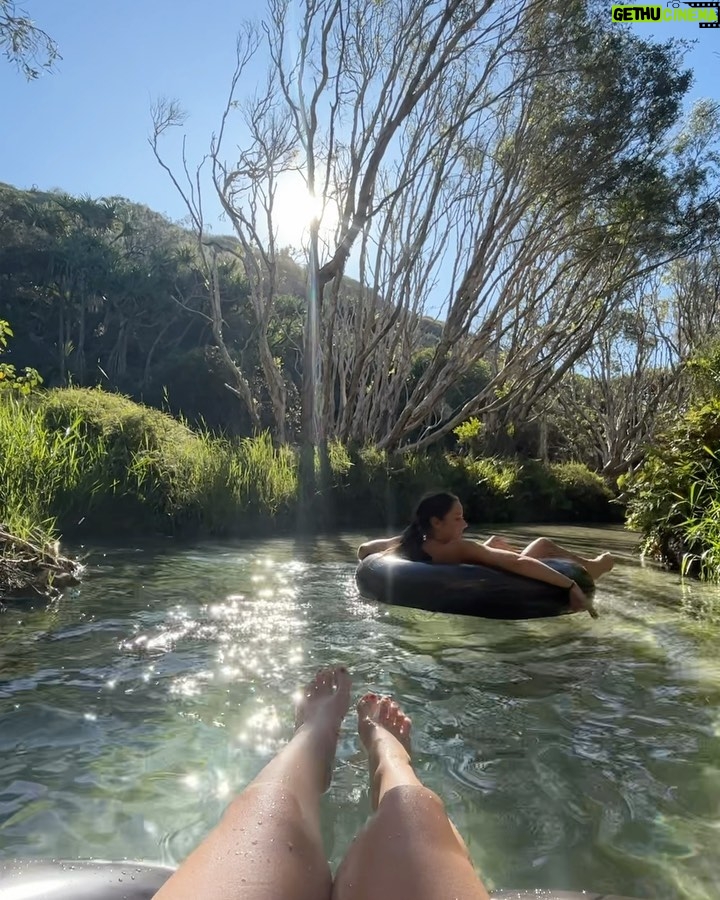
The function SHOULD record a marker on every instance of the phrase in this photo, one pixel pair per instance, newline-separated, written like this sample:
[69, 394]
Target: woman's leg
[409, 850]
[544, 548]
[268, 844]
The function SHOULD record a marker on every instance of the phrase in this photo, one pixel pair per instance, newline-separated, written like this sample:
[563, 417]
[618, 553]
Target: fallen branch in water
[28, 569]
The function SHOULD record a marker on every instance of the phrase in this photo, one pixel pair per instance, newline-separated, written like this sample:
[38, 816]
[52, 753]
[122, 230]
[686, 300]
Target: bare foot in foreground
[321, 709]
[384, 729]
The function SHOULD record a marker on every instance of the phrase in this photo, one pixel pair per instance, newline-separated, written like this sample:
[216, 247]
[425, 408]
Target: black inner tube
[467, 590]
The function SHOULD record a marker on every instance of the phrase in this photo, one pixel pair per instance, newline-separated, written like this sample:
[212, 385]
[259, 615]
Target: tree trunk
[61, 345]
[310, 436]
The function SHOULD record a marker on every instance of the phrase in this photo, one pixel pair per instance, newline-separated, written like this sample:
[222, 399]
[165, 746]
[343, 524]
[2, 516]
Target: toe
[367, 706]
[385, 711]
[343, 682]
[393, 713]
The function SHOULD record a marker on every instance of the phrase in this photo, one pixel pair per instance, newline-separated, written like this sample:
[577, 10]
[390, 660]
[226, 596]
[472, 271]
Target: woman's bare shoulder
[463, 550]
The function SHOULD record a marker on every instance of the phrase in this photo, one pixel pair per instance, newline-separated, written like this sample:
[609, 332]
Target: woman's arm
[499, 543]
[378, 546]
[467, 551]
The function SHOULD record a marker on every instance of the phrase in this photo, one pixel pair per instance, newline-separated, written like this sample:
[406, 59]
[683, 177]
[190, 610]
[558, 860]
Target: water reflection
[570, 753]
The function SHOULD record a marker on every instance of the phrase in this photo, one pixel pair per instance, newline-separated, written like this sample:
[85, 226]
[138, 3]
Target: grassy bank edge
[82, 461]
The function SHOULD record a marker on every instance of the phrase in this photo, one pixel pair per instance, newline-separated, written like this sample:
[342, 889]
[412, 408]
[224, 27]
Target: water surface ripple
[569, 753]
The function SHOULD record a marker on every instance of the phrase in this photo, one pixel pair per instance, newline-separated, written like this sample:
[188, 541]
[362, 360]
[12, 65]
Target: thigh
[408, 851]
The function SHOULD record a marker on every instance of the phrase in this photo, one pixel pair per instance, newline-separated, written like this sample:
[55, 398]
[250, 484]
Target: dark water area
[570, 753]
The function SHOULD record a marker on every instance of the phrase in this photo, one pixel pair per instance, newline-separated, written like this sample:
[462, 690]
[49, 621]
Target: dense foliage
[107, 292]
[674, 497]
[88, 462]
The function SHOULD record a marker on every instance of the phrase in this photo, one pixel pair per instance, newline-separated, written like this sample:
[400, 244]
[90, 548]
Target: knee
[412, 803]
[538, 547]
[417, 816]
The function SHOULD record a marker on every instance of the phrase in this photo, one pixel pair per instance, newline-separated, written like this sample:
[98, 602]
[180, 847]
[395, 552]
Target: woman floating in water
[435, 535]
[268, 845]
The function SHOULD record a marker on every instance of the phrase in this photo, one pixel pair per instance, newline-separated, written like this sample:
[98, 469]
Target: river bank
[30, 569]
[83, 463]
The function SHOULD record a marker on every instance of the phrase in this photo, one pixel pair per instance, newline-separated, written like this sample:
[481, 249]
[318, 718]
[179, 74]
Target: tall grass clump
[488, 487]
[40, 467]
[86, 461]
[263, 479]
[157, 474]
[148, 471]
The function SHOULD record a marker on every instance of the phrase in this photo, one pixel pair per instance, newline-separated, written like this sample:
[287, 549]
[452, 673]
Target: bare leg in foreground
[409, 850]
[268, 844]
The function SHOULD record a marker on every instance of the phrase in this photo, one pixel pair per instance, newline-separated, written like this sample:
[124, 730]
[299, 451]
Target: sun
[295, 209]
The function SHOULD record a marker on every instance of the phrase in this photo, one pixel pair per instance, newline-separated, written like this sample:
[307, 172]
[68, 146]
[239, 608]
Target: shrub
[581, 495]
[674, 498]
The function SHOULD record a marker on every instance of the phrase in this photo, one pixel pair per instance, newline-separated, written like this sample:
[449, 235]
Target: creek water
[570, 753]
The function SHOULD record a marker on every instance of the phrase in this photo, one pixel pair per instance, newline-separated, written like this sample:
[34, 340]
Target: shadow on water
[570, 753]
[321, 548]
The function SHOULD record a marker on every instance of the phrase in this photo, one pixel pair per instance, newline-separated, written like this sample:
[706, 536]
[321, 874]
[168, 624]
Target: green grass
[39, 466]
[88, 462]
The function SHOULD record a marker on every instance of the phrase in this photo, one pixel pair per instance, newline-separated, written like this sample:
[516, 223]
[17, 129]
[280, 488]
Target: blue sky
[84, 128]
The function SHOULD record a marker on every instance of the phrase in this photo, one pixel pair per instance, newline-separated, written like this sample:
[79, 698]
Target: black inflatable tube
[97, 880]
[466, 590]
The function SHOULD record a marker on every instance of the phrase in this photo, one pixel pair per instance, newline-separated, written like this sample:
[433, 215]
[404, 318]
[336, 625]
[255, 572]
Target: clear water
[570, 754]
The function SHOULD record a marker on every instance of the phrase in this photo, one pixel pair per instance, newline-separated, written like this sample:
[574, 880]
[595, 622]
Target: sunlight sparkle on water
[262, 731]
[191, 685]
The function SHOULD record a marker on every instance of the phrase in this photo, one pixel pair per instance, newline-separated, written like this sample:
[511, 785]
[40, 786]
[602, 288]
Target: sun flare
[296, 209]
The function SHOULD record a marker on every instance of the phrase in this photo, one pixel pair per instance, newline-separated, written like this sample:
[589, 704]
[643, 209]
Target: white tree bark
[628, 384]
[420, 122]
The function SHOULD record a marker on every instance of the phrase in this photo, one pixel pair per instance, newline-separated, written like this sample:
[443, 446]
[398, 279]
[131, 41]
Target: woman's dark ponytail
[411, 541]
[431, 506]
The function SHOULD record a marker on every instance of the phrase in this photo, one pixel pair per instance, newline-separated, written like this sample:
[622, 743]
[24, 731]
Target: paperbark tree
[504, 167]
[626, 386]
[166, 115]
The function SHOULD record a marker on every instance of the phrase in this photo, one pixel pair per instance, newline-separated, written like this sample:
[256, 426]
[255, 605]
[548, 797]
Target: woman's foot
[605, 562]
[600, 565]
[384, 729]
[321, 709]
